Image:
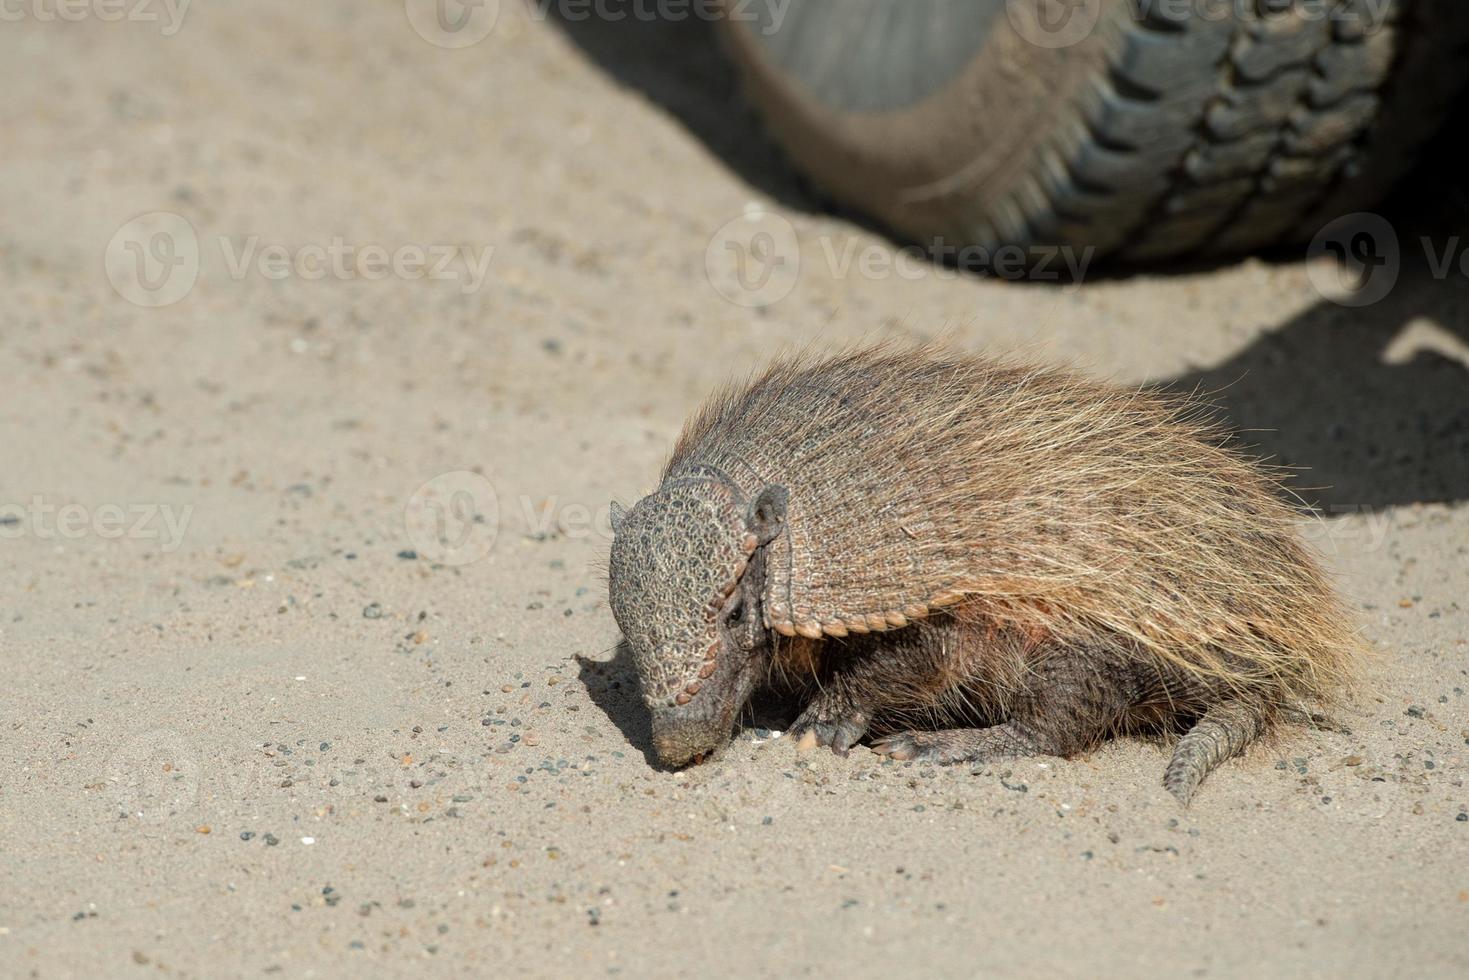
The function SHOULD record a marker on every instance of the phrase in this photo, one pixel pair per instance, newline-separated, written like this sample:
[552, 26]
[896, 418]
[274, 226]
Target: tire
[1170, 128]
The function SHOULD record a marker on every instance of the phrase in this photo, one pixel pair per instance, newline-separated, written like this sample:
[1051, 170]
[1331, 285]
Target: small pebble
[372, 611]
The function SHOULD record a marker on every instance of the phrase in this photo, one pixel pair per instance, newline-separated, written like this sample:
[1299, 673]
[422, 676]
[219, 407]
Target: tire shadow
[678, 66]
[1371, 404]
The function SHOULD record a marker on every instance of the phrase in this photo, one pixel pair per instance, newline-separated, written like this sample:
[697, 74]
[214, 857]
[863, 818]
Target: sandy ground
[256, 720]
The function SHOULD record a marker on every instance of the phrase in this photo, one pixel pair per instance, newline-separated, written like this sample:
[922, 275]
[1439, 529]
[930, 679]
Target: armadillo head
[687, 572]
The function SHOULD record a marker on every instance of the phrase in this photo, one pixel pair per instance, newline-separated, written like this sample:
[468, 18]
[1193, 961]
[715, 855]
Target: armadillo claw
[899, 748]
[829, 722]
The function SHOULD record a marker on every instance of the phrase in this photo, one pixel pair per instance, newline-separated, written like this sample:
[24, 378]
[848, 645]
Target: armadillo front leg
[1072, 699]
[864, 677]
[836, 716]
[853, 686]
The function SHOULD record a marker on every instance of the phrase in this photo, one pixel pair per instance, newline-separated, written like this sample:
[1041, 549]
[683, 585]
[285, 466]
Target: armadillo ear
[616, 514]
[767, 514]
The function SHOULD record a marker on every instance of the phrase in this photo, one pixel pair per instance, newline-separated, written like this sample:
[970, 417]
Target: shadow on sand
[1371, 404]
[613, 687]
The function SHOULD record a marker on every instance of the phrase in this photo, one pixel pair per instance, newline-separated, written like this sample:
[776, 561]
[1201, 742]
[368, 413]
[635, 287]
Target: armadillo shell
[1061, 506]
[882, 455]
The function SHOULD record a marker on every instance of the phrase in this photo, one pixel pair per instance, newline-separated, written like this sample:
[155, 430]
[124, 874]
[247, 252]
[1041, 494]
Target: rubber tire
[1156, 136]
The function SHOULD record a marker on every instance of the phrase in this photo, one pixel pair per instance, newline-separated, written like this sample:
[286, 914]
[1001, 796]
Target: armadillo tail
[1223, 732]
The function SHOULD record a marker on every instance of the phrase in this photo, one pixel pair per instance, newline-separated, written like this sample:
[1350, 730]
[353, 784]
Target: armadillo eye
[736, 610]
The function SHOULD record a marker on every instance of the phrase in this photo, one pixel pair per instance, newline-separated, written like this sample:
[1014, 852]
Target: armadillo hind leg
[959, 745]
[1223, 732]
[1072, 699]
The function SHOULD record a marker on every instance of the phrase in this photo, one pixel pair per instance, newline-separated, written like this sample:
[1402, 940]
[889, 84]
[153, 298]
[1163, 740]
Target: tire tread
[1293, 122]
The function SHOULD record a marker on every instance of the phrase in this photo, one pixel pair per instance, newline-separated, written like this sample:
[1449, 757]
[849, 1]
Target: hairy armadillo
[969, 559]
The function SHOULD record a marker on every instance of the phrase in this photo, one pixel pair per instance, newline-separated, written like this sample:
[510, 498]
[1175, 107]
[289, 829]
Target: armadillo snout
[678, 740]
